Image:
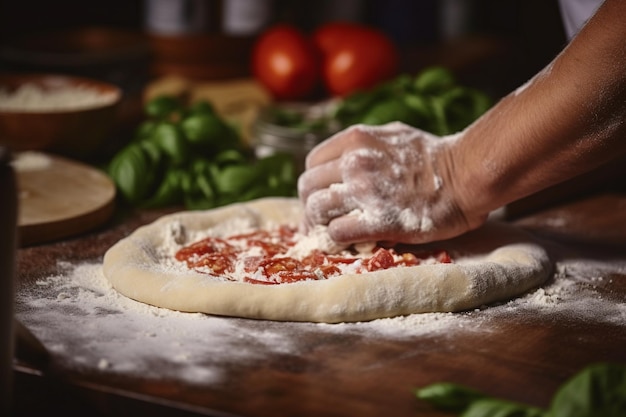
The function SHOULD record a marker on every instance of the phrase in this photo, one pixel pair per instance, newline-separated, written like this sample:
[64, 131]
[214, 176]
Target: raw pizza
[249, 260]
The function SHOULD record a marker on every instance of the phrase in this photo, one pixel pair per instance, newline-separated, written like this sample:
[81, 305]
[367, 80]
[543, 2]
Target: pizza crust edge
[494, 263]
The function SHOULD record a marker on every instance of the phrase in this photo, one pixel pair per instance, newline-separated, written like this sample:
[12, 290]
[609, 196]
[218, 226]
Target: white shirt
[575, 14]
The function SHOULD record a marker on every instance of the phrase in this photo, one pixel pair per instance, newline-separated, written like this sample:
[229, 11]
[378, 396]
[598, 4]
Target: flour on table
[86, 324]
[89, 326]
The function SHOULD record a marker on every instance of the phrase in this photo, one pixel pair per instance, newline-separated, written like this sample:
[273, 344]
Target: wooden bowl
[64, 114]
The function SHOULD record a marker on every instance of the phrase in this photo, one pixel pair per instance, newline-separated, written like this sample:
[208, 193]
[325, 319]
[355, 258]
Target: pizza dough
[495, 263]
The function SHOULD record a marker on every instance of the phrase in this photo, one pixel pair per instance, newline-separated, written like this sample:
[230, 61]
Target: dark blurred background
[491, 44]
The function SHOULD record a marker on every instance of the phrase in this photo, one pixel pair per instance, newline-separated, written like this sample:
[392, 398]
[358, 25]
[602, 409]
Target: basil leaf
[351, 109]
[234, 179]
[129, 169]
[170, 139]
[191, 156]
[145, 130]
[205, 131]
[198, 190]
[389, 111]
[431, 101]
[164, 107]
[201, 107]
[449, 396]
[490, 407]
[434, 80]
[597, 391]
[462, 106]
[420, 104]
[229, 157]
[169, 192]
[440, 118]
[279, 175]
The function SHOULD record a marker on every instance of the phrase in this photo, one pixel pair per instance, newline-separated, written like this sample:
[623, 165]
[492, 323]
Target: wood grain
[521, 357]
[59, 197]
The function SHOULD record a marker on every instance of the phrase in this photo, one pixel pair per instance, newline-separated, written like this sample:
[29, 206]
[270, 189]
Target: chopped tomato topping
[269, 266]
[328, 270]
[287, 232]
[270, 249]
[382, 259]
[218, 263]
[315, 258]
[276, 265]
[443, 257]
[203, 247]
[252, 263]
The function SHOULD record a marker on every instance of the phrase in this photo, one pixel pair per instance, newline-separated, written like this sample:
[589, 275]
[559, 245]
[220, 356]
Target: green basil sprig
[432, 100]
[188, 155]
[599, 390]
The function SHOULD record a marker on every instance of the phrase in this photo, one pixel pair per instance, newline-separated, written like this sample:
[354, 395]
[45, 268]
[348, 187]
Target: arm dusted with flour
[395, 183]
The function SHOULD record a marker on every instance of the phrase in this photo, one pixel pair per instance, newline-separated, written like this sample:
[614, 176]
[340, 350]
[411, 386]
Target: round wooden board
[59, 197]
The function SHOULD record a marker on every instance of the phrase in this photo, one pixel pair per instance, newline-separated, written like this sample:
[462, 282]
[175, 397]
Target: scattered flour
[90, 327]
[316, 238]
[372, 174]
[540, 75]
[30, 161]
[176, 236]
[58, 97]
[86, 325]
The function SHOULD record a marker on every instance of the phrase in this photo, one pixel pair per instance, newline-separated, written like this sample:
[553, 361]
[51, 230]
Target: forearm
[569, 119]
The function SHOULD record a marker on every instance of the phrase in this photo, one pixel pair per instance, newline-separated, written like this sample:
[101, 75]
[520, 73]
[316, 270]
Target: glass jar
[292, 128]
[201, 39]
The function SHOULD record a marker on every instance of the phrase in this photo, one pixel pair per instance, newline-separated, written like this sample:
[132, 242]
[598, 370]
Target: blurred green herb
[597, 391]
[301, 121]
[432, 100]
[189, 155]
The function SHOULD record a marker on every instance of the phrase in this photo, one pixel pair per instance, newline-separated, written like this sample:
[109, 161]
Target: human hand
[391, 183]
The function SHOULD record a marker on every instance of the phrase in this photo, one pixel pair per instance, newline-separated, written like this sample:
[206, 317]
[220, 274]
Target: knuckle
[316, 207]
[364, 159]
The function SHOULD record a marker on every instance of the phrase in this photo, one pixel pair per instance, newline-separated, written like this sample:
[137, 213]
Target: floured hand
[383, 183]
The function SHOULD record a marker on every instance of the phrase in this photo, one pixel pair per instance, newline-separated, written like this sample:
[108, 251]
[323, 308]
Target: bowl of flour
[65, 114]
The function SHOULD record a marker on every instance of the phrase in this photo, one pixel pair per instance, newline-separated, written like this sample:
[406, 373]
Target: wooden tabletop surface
[521, 351]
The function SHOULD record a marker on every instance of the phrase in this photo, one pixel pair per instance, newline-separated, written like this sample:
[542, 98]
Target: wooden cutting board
[59, 197]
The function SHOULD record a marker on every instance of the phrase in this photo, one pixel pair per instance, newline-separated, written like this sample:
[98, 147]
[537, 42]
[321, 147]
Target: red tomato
[286, 62]
[354, 56]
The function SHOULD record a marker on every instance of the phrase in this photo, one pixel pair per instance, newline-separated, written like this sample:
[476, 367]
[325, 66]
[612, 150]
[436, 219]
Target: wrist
[465, 186]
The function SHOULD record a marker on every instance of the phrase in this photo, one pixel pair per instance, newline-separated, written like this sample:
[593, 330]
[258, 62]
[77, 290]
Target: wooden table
[517, 351]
